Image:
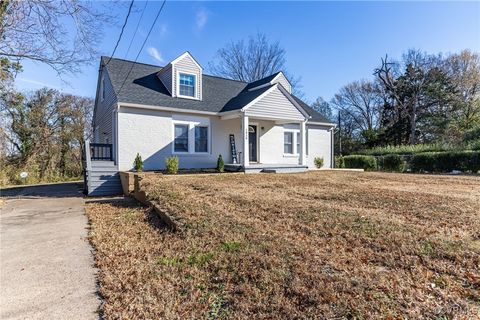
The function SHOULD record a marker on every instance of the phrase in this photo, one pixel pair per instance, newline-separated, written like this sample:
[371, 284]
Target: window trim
[191, 137]
[195, 93]
[194, 138]
[188, 138]
[295, 142]
[292, 132]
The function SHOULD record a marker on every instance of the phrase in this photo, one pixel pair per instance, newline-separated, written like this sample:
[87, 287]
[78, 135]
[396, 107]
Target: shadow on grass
[129, 202]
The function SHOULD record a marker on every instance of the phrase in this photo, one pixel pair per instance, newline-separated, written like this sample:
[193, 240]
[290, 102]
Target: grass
[342, 245]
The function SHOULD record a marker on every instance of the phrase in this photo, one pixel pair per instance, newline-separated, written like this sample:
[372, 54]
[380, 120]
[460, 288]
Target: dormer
[278, 77]
[183, 77]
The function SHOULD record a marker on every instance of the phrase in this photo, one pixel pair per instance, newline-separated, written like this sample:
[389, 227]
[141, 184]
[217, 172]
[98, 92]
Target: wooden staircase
[101, 177]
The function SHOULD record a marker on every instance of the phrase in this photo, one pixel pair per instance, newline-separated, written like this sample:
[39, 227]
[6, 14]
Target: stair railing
[101, 151]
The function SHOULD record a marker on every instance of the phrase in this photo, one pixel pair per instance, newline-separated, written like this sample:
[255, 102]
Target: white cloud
[201, 18]
[155, 54]
[163, 30]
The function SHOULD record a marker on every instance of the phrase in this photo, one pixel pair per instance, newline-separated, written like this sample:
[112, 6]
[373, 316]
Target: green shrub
[138, 163]
[171, 163]
[422, 162]
[220, 164]
[474, 144]
[339, 163]
[410, 149]
[318, 161]
[360, 162]
[391, 162]
[472, 134]
[446, 161]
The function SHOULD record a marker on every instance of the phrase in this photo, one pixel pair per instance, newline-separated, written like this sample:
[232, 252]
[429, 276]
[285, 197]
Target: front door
[252, 143]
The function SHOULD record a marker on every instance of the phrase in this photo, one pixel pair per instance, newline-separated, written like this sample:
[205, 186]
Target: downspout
[116, 135]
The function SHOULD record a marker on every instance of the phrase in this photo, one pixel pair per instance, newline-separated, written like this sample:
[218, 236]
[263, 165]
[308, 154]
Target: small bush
[318, 161]
[446, 161]
[171, 163]
[339, 163]
[360, 162]
[220, 164]
[391, 162]
[138, 163]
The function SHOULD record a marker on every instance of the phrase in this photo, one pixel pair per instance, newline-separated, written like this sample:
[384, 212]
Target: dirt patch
[312, 245]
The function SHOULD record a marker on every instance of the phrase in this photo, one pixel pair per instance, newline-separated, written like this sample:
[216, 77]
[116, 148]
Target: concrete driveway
[45, 259]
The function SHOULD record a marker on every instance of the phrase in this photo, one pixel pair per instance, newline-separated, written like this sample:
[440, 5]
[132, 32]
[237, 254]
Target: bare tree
[252, 60]
[46, 131]
[322, 107]
[38, 30]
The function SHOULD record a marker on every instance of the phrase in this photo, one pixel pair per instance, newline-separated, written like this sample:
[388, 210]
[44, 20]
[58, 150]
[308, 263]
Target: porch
[266, 168]
[273, 133]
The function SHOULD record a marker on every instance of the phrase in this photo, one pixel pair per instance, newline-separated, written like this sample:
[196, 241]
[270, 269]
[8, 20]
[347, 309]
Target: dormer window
[182, 77]
[187, 85]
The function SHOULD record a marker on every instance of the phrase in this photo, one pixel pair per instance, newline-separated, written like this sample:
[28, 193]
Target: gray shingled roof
[219, 94]
[261, 81]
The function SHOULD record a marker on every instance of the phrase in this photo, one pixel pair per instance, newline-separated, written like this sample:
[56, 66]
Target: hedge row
[359, 162]
[465, 161]
[446, 161]
[472, 144]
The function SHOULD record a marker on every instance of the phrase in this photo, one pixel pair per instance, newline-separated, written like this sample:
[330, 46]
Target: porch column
[303, 144]
[245, 140]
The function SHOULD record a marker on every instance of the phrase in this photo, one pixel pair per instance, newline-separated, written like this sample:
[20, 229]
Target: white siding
[165, 75]
[283, 81]
[271, 144]
[187, 65]
[319, 145]
[274, 105]
[150, 133]
[103, 110]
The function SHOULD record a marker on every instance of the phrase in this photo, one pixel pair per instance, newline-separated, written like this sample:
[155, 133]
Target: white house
[178, 110]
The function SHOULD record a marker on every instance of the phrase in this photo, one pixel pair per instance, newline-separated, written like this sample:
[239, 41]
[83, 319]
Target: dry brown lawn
[319, 245]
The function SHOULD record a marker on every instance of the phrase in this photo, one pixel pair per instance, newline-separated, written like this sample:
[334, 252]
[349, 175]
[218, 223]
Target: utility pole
[339, 135]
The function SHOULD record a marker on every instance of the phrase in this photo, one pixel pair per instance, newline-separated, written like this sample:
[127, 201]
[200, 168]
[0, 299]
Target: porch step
[267, 168]
[104, 181]
[105, 192]
[107, 165]
[285, 170]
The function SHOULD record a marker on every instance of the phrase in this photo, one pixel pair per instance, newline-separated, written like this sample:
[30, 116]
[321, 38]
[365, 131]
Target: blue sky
[328, 44]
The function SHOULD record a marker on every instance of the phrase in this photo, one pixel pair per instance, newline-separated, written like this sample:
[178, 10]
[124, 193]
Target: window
[191, 136]
[180, 143]
[288, 142]
[187, 85]
[298, 143]
[201, 139]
